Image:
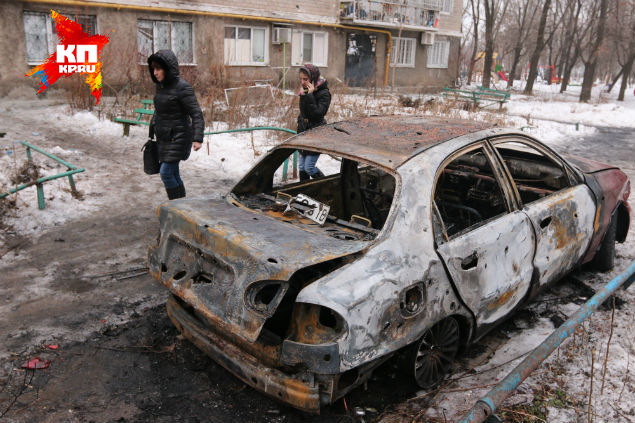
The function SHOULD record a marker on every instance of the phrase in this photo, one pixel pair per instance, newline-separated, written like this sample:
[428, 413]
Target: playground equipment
[497, 65]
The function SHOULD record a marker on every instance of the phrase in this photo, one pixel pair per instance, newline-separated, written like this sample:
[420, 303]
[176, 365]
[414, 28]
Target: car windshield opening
[351, 201]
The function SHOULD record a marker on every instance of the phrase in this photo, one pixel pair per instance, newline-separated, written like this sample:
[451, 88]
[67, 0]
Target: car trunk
[232, 264]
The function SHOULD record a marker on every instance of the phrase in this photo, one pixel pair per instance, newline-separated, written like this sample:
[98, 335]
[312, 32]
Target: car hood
[588, 165]
[211, 252]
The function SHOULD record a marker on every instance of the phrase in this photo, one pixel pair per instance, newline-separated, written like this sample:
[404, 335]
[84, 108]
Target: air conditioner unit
[281, 35]
[427, 38]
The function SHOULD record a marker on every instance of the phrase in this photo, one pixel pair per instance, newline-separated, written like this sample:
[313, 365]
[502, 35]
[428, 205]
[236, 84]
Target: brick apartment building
[253, 40]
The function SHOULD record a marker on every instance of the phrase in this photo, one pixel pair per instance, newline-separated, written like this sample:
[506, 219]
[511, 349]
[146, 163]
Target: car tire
[429, 360]
[604, 259]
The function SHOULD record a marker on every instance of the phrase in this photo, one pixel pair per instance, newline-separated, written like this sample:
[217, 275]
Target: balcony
[417, 15]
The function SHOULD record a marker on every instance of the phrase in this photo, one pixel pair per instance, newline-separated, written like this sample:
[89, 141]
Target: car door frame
[484, 313]
[543, 277]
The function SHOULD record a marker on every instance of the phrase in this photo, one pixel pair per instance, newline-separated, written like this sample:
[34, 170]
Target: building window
[446, 6]
[158, 35]
[438, 54]
[246, 46]
[41, 34]
[403, 52]
[309, 47]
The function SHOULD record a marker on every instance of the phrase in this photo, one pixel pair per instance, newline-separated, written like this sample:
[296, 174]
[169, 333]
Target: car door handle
[469, 262]
[545, 222]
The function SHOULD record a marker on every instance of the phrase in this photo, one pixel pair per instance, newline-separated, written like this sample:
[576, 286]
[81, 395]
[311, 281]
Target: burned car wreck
[426, 233]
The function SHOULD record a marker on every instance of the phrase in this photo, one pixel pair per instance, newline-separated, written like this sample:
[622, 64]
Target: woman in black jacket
[315, 100]
[177, 121]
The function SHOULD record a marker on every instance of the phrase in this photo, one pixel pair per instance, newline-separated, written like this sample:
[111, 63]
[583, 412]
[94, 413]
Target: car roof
[386, 140]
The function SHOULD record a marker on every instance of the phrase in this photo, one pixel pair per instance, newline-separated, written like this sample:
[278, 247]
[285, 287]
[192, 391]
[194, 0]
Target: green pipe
[49, 155]
[255, 128]
[41, 181]
[285, 166]
[40, 196]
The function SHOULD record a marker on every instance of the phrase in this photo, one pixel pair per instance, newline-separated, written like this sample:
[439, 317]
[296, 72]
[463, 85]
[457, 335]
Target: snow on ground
[548, 115]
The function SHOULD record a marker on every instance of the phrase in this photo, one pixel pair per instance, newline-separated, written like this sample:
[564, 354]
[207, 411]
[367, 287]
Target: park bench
[481, 97]
[146, 110]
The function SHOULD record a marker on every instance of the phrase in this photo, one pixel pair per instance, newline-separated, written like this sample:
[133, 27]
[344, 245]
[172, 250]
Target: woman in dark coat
[177, 122]
[315, 100]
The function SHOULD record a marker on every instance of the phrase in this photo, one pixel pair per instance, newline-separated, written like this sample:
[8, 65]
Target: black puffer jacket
[313, 107]
[177, 120]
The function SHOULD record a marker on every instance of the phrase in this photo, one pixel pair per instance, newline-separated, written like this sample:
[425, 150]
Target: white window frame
[143, 60]
[395, 53]
[446, 7]
[230, 62]
[51, 38]
[438, 59]
[297, 48]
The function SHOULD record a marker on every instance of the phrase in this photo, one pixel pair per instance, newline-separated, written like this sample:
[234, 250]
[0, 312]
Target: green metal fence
[285, 166]
[71, 170]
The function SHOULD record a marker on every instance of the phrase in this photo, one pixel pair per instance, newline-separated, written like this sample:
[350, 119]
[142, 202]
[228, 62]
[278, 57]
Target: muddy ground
[119, 359]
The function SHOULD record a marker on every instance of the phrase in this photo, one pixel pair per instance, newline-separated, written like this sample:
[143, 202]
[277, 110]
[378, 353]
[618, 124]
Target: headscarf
[312, 71]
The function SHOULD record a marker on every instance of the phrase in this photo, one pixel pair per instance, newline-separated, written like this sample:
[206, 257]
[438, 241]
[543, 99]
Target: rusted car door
[486, 246]
[561, 208]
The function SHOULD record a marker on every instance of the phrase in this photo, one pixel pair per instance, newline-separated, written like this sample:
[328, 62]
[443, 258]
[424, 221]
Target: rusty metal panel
[366, 292]
[211, 251]
[387, 140]
[492, 265]
[563, 222]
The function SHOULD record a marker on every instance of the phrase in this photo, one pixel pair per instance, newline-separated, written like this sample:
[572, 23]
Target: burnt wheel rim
[435, 353]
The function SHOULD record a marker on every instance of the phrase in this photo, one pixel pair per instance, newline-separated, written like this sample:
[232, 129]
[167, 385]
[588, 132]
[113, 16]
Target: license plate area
[316, 211]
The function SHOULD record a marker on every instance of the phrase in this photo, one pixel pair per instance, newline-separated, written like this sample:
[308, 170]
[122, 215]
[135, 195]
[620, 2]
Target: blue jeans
[307, 163]
[170, 174]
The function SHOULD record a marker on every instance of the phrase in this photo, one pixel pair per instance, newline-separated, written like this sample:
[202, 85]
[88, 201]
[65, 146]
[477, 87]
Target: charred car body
[430, 231]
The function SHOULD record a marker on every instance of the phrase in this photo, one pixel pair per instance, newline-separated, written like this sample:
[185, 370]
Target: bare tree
[495, 11]
[570, 55]
[595, 43]
[525, 16]
[623, 34]
[476, 18]
[540, 45]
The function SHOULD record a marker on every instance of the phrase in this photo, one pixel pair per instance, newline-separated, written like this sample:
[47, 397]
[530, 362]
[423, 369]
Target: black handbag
[151, 163]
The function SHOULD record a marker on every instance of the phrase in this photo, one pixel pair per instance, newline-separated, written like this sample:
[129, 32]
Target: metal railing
[285, 166]
[393, 13]
[486, 406]
[40, 181]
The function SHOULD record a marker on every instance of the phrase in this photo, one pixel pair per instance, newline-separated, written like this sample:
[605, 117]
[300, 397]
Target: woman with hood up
[315, 100]
[177, 121]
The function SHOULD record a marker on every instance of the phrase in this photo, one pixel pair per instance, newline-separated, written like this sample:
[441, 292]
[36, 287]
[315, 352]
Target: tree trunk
[567, 72]
[512, 73]
[489, 42]
[489, 52]
[470, 70]
[540, 44]
[589, 67]
[626, 71]
[615, 78]
[476, 14]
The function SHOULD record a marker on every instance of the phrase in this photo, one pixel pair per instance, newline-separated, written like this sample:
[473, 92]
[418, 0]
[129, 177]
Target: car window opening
[534, 174]
[467, 194]
[359, 195]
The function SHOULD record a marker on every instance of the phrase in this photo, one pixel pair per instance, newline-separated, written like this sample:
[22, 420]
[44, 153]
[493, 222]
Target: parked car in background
[425, 234]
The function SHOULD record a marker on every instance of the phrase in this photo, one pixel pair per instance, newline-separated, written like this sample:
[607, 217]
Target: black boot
[181, 191]
[318, 174]
[304, 176]
[174, 193]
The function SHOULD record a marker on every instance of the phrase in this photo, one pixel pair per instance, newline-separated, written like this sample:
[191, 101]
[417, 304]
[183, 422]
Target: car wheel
[605, 256]
[431, 357]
